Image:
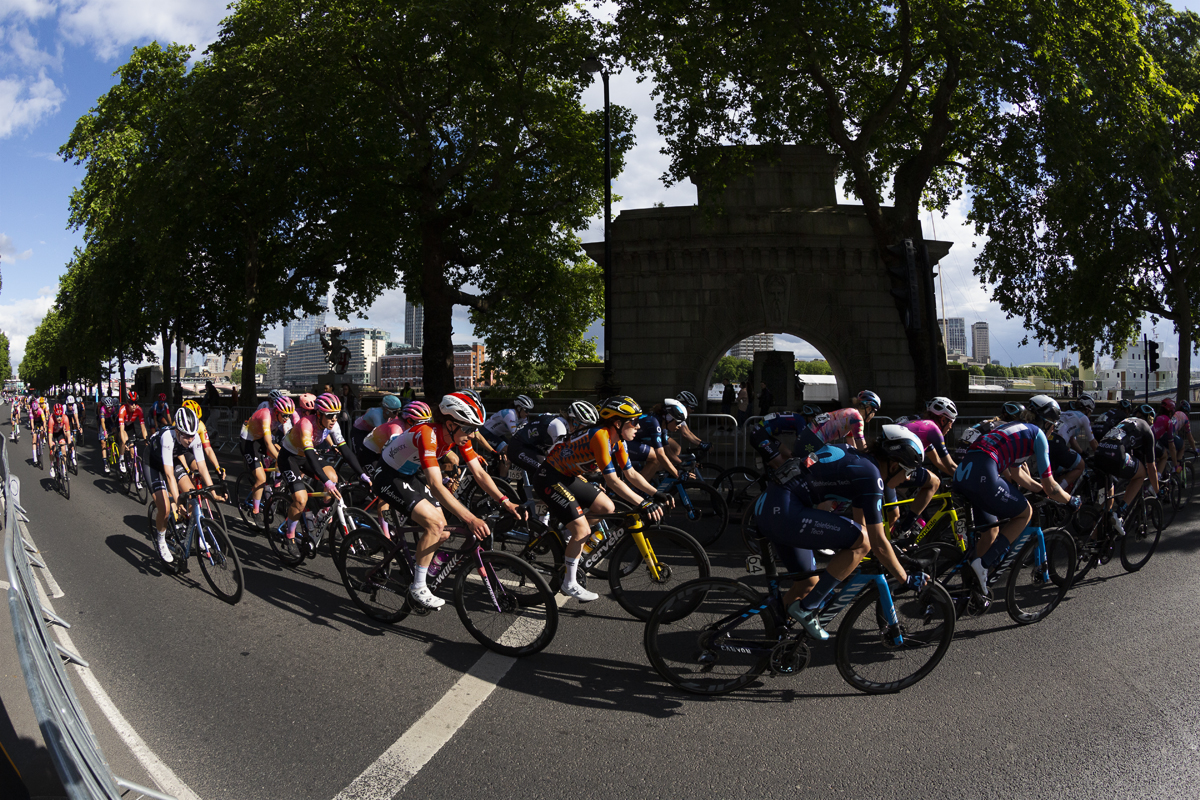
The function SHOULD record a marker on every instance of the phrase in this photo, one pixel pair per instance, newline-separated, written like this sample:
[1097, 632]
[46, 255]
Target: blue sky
[57, 57]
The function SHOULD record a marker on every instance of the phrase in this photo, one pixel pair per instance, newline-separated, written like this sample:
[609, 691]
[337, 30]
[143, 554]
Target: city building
[307, 364]
[757, 343]
[367, 346]
[955, 331]
[404, 364]
[981, 348]
[298, 330]
[276, 369]
[414, 325]
[1128, 371]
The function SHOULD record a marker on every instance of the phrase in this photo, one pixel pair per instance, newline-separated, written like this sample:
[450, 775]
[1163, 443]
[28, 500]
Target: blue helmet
[392, 403]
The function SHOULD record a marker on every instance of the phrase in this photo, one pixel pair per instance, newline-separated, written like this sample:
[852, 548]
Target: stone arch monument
[782, 256]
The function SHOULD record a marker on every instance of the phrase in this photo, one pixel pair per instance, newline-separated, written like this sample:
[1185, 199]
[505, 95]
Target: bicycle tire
[289, 551]
[539, 547]
[221, 566]
[683, 646]
[1142, 534]
[75, 467]
[242, 489]
[680, 557]
[865, 655]
[709, 471]
[64, 477]
[137, 482]
[704, 517]
[481, 504]
[938, 560]
[1189, 480]
[178, 565]
[124, 479]
[1035, 589]
[379, 589]
[739, 486]
[523, 618]
[356, 520]
[1170, 501]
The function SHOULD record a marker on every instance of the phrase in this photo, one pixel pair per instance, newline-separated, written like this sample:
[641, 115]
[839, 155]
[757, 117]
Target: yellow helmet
[620, 407]
[193, 406]
[43, 402]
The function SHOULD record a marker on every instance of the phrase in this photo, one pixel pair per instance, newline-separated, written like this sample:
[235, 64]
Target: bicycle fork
[658, 572]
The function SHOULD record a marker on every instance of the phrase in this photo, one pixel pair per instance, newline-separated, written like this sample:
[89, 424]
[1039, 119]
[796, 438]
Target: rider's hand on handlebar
[663, 499]
[479, 528]
[514, 509]
[331, 487]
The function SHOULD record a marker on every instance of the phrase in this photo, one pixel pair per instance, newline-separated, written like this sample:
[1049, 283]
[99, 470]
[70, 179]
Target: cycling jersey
[419, 448]
[590, 450]
[378, 438]
[930, 434]
[1181, 424]
[163, 447]
[543, 432]
[371, 420]
[128, 415]
[1014, 443]
[60, 425]
[651, 431]
[970, 435]
[1134, 436]
[844, 476]
[202, 435]
[1162, 428]
[830, 428]
[159, 410]
[784, 422]
[1073, 423]
[503, 422]
[258, 424]
[308, 433]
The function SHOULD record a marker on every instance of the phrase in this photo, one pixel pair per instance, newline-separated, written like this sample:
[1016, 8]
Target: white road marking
[160, 773]
[401, 762]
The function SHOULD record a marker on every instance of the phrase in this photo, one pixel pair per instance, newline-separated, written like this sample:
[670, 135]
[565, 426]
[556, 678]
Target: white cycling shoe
[163, 550]
[579, 593]
[425, 598]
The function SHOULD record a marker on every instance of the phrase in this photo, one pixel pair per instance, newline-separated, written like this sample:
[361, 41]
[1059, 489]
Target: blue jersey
[651, 431]
[846, 477]
[784, 422]
[1015, 443]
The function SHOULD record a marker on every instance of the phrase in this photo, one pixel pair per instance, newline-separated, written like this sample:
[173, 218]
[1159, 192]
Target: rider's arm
[1041, 461]
[665, 462]
[348, 454]
[686, 432]
[881, 548]
[442, 493]
[475, 466]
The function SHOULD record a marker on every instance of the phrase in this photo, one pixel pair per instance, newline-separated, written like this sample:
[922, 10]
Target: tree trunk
[437, 354]
[167, 344]
[1184, 322]
[254, 324]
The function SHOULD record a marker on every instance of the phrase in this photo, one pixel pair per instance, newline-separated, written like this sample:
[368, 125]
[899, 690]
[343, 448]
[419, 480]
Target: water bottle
[439, 558]
[593, 541]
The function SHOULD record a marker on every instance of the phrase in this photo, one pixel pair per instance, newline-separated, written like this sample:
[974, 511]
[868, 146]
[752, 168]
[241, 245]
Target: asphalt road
[293, 693]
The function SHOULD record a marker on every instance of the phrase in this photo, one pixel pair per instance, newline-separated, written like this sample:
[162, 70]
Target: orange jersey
[60, 423]
[589, 451]
[421, 447]
[203, 434]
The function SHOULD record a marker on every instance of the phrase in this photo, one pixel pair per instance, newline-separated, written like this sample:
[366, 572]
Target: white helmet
[674, 410]
[942, 407]
[71, 400]
[186, 422]
[1087, 402]
[583, 412]
[524, 403]
[461, 408]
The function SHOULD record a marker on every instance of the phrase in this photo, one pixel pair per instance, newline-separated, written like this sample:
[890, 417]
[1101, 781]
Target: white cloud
[20, 319]
[25, 101]
[8, 250]
[111, 26]
[29, 9]
[19, 48]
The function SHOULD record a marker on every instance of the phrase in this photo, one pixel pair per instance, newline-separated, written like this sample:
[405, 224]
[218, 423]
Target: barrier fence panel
[69, 738]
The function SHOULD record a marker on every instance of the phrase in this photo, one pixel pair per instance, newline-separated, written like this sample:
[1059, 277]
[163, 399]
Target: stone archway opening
[783, 359]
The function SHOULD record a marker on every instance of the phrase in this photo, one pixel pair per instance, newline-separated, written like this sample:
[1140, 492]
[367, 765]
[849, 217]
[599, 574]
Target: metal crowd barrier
[68, 736]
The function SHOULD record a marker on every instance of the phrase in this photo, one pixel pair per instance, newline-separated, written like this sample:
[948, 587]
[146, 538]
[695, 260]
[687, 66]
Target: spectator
[765, 400]
[727, 398]
[235, 397]
[211, 395]
[408, 394]
[743, 405]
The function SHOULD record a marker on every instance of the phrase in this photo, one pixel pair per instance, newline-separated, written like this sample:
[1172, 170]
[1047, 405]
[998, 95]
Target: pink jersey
[1181, 425]
[834, 426]
[1161, 427]
[930, 434]
[378, 438]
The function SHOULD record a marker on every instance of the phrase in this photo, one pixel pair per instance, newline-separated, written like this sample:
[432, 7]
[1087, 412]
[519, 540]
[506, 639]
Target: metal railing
[69, 738]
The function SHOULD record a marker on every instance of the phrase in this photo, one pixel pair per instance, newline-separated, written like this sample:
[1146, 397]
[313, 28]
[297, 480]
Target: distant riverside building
[306, 362]
[404, 364]
[759, 342]
[299, 330]
[981, 348]
[414, 325]
[955, 329]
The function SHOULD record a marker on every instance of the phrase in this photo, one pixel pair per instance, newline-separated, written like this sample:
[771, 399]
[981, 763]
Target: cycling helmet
[523, 403]
[130, 397]
[1012, 411]
[59, 410]
[1146, 412]
[392, 403]
[328, 403]
[869, 398]
[811, 411]
[70, 399]
[1126, 405]
[462, 408]
[307, 402]
[474, 395]
[942, 407]
[583, 412]
[1045, 408]
[162, 397]
[1087, 402]
[283, 406]
[674, 410]
[186, 422]
[901, 445]
[1185, 406]
[416, 413]
[688, 399]
[194, 406]
[620, 407]
[1168, 404]
[275, 394]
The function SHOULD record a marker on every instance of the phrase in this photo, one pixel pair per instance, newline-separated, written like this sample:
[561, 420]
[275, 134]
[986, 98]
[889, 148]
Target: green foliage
[6, 371]
[817, 366]
[975, 369]
[732, 370]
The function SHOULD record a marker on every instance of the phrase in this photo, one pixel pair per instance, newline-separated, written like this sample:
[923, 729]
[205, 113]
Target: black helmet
[1012, 411]
[901, 445]
[1146, 412]
[1126, 405]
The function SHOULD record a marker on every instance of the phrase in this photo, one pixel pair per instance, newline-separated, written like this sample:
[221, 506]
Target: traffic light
[904, 268]
[1152, 355]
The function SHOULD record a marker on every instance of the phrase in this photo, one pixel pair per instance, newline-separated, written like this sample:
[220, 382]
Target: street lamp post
[592, 65]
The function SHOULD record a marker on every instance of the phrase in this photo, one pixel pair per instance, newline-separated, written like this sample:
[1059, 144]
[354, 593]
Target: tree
[732, 370]
[906, 92]
[1091, 221]
[5, 363]
[817, 366]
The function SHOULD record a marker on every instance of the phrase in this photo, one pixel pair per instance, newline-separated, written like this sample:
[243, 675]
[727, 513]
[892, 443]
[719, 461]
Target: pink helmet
[416, 413]
[329, 404]
[283, 406]
[306, 402]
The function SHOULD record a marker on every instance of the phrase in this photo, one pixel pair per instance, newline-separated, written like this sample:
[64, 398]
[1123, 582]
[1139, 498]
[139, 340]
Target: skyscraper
[299, 329]
[981, 349]
[414, 324]
[955, 329]
[747, 347]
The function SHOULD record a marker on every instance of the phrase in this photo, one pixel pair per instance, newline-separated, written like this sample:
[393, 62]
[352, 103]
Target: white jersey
[503, 422]
[1074, 423]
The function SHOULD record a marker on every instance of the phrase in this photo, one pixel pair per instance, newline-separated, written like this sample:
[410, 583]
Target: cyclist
[1181, 425]
[411, 479]
[128, 415]
[299, 450]
[259, 434]
[833, 500]
[685, 432]
[844, 425]
[763, 437]
[1164, 436]
[73, 411]
[38, 412]
[1126, 453]
[647, 450]
[1012, 412]
[14, 417]
[598, 448]
[166, 476]
[160, 412]
[500, 427]
[531, 444]
[106, 416]
[415, 413]
[387, 410]
[940, 413]
[1104, 423]
[60, 432]
[210, 454]
[991, 477]
[1075, 423]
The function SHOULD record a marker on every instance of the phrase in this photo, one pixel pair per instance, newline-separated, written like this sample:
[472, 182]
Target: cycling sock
[996, 552]
[419, 577]
[291, 534]
[383, 526]
[825, 586]
[255, 505]
[572, 565]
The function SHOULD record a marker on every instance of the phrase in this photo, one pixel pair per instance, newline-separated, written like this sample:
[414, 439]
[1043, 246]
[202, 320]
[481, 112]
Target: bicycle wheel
[220, 565]
[1038, 581]
[1171, 500]
[125, 479]
[356, 520]
[242, 490]
[481, 504]
[739, 487]
[64, 477]
[376, 580]
[709, 471]
[137, 482]
[1143, 529]
[679, 557]
[288, 551]
[537, 546]
[74, 465]
[867, 657]
[507, 606]
[694, 643]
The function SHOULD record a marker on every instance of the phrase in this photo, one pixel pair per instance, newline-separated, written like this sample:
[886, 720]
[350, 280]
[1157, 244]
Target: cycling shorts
[566, 498]
[525, 457]
[156, 479]
[916, 479]
[60, 435]
[402, 492]
[1062, 457]
[992, 497]
[254, 452]
[293, 468]
[1116, 463]
[766, 445]
[796, 529]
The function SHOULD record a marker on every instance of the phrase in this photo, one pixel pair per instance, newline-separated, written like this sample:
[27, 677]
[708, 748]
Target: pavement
[294, 693]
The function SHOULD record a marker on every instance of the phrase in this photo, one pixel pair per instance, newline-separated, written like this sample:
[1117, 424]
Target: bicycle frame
[947, 510]
[439, 572]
